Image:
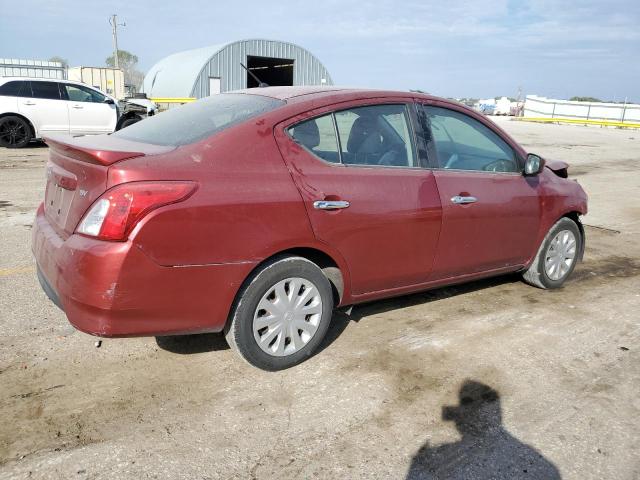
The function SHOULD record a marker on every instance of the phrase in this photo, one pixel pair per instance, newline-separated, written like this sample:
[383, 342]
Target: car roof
[285, 93]
[300, 93]
[35, 79]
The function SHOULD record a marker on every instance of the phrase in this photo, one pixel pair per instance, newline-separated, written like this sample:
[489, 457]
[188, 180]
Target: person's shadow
[486, 450]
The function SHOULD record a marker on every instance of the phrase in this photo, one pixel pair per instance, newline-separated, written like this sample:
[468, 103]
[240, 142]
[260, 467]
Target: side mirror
[109, 101]
[533, 165]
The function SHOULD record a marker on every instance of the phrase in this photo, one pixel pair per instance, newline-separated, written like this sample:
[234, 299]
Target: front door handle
[460, 200]
[77, 106]
[330, 204]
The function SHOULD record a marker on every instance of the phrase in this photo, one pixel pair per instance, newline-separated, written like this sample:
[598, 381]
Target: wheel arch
[571, 214]
[326, 263]
[575, 216]
[336, 274]
[34, 132]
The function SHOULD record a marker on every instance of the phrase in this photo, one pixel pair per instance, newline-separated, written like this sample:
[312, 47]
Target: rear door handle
[330, 204]
[77, 106]
[462, 200]
[29, 103]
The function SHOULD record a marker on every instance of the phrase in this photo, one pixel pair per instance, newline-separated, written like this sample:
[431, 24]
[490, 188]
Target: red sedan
[258, 212]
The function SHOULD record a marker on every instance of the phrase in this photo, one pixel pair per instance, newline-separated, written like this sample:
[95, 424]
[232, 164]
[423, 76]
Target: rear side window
[318, 135]
[48, 90]
[376, 135]
[195, 121]
[13, 89]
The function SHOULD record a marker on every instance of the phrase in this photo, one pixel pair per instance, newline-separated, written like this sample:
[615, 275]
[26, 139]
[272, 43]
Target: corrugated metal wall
[225, 64]
[14, 67]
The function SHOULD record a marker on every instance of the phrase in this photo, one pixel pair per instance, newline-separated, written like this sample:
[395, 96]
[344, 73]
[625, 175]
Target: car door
[365, 192]
[9, 95]
[42, 103]
[491, 211]
[89, 112]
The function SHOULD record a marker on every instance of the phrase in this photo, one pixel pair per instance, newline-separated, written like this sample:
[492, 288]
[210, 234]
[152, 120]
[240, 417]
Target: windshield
[194, 121]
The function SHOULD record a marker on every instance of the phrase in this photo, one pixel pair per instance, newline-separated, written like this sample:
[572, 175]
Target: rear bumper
[53, 296]
[113, 289]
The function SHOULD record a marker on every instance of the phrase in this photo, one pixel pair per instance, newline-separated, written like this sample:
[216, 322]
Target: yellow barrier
[603, 123]
[4, 272]
[173, 100]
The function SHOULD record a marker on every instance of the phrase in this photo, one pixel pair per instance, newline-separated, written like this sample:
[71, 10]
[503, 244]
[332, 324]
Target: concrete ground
[493, 379]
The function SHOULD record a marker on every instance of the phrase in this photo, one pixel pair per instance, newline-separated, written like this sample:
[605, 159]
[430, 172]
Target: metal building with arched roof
[208, 70]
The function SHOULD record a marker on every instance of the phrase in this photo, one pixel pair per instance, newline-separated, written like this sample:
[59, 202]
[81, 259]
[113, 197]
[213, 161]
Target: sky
[450, 48]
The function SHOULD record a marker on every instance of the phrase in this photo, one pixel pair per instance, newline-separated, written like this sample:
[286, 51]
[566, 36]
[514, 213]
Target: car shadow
[190, 344]
[383, 306]
[486, 450]
[341, 320]
[211, 342]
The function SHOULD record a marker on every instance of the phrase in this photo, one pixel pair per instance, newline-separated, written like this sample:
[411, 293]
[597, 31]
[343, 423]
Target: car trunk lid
[77, 173]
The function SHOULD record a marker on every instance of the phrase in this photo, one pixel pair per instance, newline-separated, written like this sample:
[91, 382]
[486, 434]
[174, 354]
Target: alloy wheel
[13, 132]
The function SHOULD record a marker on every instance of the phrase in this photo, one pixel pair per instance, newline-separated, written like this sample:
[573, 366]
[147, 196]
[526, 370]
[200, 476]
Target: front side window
[78, 93]
[463, 143]
[318, 136]
[47, 90]
[195, 121]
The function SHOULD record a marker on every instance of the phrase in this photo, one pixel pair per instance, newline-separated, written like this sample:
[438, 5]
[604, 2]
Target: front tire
[557, 256]
[15, 132]
[281, 314]
[129, 121]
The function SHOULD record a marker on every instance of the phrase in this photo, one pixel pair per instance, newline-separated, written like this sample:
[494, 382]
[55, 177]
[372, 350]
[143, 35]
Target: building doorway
[272, 71]
[214, 85]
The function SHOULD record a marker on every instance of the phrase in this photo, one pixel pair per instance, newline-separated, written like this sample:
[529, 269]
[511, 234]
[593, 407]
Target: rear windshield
[194, 121]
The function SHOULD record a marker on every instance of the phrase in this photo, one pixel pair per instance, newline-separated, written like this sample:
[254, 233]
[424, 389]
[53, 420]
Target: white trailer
[503, 106]
[109, 80]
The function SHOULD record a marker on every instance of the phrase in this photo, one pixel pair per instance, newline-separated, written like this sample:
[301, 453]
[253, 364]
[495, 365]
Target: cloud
[451, 47]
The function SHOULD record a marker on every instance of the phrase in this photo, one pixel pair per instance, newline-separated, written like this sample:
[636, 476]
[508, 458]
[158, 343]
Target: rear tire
[15, 132]
[556, 257]
[281, 314]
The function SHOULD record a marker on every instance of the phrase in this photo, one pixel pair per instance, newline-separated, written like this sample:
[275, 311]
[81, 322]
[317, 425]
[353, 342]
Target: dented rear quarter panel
[245, 207]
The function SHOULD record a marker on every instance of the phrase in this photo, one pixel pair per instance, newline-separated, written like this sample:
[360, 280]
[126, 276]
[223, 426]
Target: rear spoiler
[97, 154]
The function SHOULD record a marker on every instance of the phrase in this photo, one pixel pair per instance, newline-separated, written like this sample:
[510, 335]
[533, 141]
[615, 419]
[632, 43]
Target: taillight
[118, 210]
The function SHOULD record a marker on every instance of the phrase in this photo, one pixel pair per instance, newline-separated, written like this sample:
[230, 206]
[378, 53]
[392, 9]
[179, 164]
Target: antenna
[113, 20]
[260, 83]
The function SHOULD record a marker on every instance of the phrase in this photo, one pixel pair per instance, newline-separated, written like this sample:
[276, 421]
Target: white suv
[33, 107]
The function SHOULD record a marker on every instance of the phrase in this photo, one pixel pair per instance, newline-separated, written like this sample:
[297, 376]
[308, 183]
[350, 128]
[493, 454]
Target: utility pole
[113, 20]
